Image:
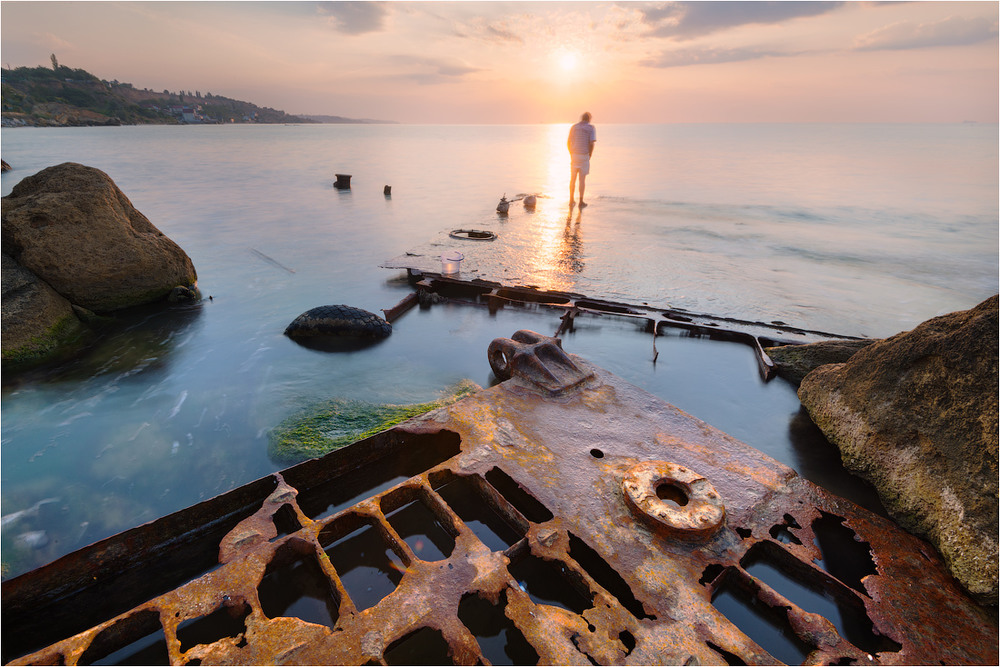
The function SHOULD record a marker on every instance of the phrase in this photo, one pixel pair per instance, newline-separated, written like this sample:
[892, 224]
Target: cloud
[952, 31]
[687, 20]
[355, 18]
[50, 41]
[433, 70]
[489, 31]
[708, 56]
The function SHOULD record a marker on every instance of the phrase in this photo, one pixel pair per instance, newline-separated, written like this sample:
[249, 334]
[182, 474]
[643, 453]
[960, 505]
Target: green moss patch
[59, 339]
[334, 423]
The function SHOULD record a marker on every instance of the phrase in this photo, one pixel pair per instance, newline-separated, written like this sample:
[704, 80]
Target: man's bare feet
[582, 203]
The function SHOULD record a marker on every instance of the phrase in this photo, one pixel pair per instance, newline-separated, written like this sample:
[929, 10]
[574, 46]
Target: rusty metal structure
[431, 287]
[562, 516]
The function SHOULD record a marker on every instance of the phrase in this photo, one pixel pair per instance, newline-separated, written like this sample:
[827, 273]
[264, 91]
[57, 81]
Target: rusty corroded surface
[578, 566]
[537, 359]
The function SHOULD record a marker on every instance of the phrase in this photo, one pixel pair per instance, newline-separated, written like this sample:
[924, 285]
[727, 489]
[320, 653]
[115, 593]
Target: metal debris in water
[563, 516]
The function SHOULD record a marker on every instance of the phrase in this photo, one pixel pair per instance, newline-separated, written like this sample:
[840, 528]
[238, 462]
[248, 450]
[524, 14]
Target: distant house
[187, 114]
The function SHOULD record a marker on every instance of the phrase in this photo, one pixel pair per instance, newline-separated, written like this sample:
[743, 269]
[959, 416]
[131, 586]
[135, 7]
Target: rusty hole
[844, 555]
[672, 493]
[778, 569]
[500, 641]
[285, 521]
[783, 535]
[226, 621]
[483, 518]
[710, 574]
[845, 661]
[767, 626]
[193, 661]
[518, 496]
[425, 646]
[606, 576]
[781, 532]
[596, 453]
[368, 567]
[730, 658]
[418, 525]
[403, 455]
[135, 640]
[294, 585]
[628, 641]
[551, 583]
[744, 533]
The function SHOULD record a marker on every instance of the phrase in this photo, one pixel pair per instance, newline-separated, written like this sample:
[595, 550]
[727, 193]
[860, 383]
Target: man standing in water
[580, 143]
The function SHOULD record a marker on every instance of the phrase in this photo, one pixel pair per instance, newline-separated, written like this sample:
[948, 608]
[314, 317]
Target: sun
[568, 61]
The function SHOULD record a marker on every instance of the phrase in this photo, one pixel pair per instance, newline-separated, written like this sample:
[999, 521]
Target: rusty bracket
[537, 359]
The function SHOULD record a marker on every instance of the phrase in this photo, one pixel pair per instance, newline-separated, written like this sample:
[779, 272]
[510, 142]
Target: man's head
[585, 117]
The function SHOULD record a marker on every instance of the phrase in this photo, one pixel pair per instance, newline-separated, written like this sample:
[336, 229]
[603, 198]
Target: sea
[853, 229]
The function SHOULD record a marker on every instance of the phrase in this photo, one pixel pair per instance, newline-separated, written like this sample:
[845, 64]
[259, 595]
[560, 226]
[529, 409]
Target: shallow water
[863, 230]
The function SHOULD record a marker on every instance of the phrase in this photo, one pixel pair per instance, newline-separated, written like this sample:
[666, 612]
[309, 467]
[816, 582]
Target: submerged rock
[332, 424]
[916, 415]
[794, 362]
[73, 228]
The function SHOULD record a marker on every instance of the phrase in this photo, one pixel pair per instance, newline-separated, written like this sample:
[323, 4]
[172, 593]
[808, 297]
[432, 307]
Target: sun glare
[568, 62]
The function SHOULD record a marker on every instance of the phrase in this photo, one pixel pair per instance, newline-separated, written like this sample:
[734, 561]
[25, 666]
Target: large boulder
[794, 362]
[72, 227]
[916, 415]
[36, 320]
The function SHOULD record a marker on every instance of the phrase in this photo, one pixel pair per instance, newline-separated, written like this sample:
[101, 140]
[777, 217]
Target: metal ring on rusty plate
[676, 501]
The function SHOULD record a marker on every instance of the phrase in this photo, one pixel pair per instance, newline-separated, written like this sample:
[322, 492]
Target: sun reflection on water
[557, 252]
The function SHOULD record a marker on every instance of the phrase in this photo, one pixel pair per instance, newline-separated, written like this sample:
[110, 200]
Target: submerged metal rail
[757, 335]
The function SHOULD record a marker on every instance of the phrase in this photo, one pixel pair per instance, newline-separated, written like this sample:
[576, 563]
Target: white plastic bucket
[450, 262]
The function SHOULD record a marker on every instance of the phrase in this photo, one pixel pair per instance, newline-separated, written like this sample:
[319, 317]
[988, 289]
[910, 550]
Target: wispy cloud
[355, 18]
[687, 20]
[952, 31]
[496, 31]
[50, 41]
[429, 71]
[709, 56]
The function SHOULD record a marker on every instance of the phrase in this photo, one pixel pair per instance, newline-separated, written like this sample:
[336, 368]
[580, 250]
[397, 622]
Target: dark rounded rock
[338, 321]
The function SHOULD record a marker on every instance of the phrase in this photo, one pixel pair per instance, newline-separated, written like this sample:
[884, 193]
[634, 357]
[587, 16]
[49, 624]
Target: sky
[538, 62]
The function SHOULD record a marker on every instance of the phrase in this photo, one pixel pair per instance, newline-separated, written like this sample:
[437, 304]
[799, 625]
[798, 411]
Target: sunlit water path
[862, 230]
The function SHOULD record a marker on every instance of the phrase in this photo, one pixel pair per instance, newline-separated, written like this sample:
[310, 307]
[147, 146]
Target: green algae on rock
[334, 423]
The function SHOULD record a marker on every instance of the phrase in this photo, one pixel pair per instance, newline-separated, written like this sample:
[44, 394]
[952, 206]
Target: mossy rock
[334, 423]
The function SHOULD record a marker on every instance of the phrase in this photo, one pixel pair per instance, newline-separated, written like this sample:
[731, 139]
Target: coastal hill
[63, 97]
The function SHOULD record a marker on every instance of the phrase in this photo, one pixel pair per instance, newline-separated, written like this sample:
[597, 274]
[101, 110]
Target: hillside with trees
[60, 96]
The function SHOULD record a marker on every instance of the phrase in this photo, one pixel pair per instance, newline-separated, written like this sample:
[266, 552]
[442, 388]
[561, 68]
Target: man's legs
[572, 183]
[583, 187]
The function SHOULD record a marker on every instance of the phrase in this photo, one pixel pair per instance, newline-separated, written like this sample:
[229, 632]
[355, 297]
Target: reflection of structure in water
[559, 517]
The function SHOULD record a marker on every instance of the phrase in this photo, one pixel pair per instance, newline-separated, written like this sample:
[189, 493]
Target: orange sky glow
[539, 62]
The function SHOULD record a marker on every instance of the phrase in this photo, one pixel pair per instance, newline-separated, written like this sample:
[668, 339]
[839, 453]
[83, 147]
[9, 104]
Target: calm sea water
[854, 229]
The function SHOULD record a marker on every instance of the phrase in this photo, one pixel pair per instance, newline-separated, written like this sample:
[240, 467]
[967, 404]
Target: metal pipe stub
[674, 500]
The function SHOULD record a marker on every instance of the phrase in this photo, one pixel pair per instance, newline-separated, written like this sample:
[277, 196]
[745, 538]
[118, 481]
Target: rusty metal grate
[561, 517]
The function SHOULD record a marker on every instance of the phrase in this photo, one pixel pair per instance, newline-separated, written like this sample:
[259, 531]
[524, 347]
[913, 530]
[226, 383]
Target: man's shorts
[581, 162]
